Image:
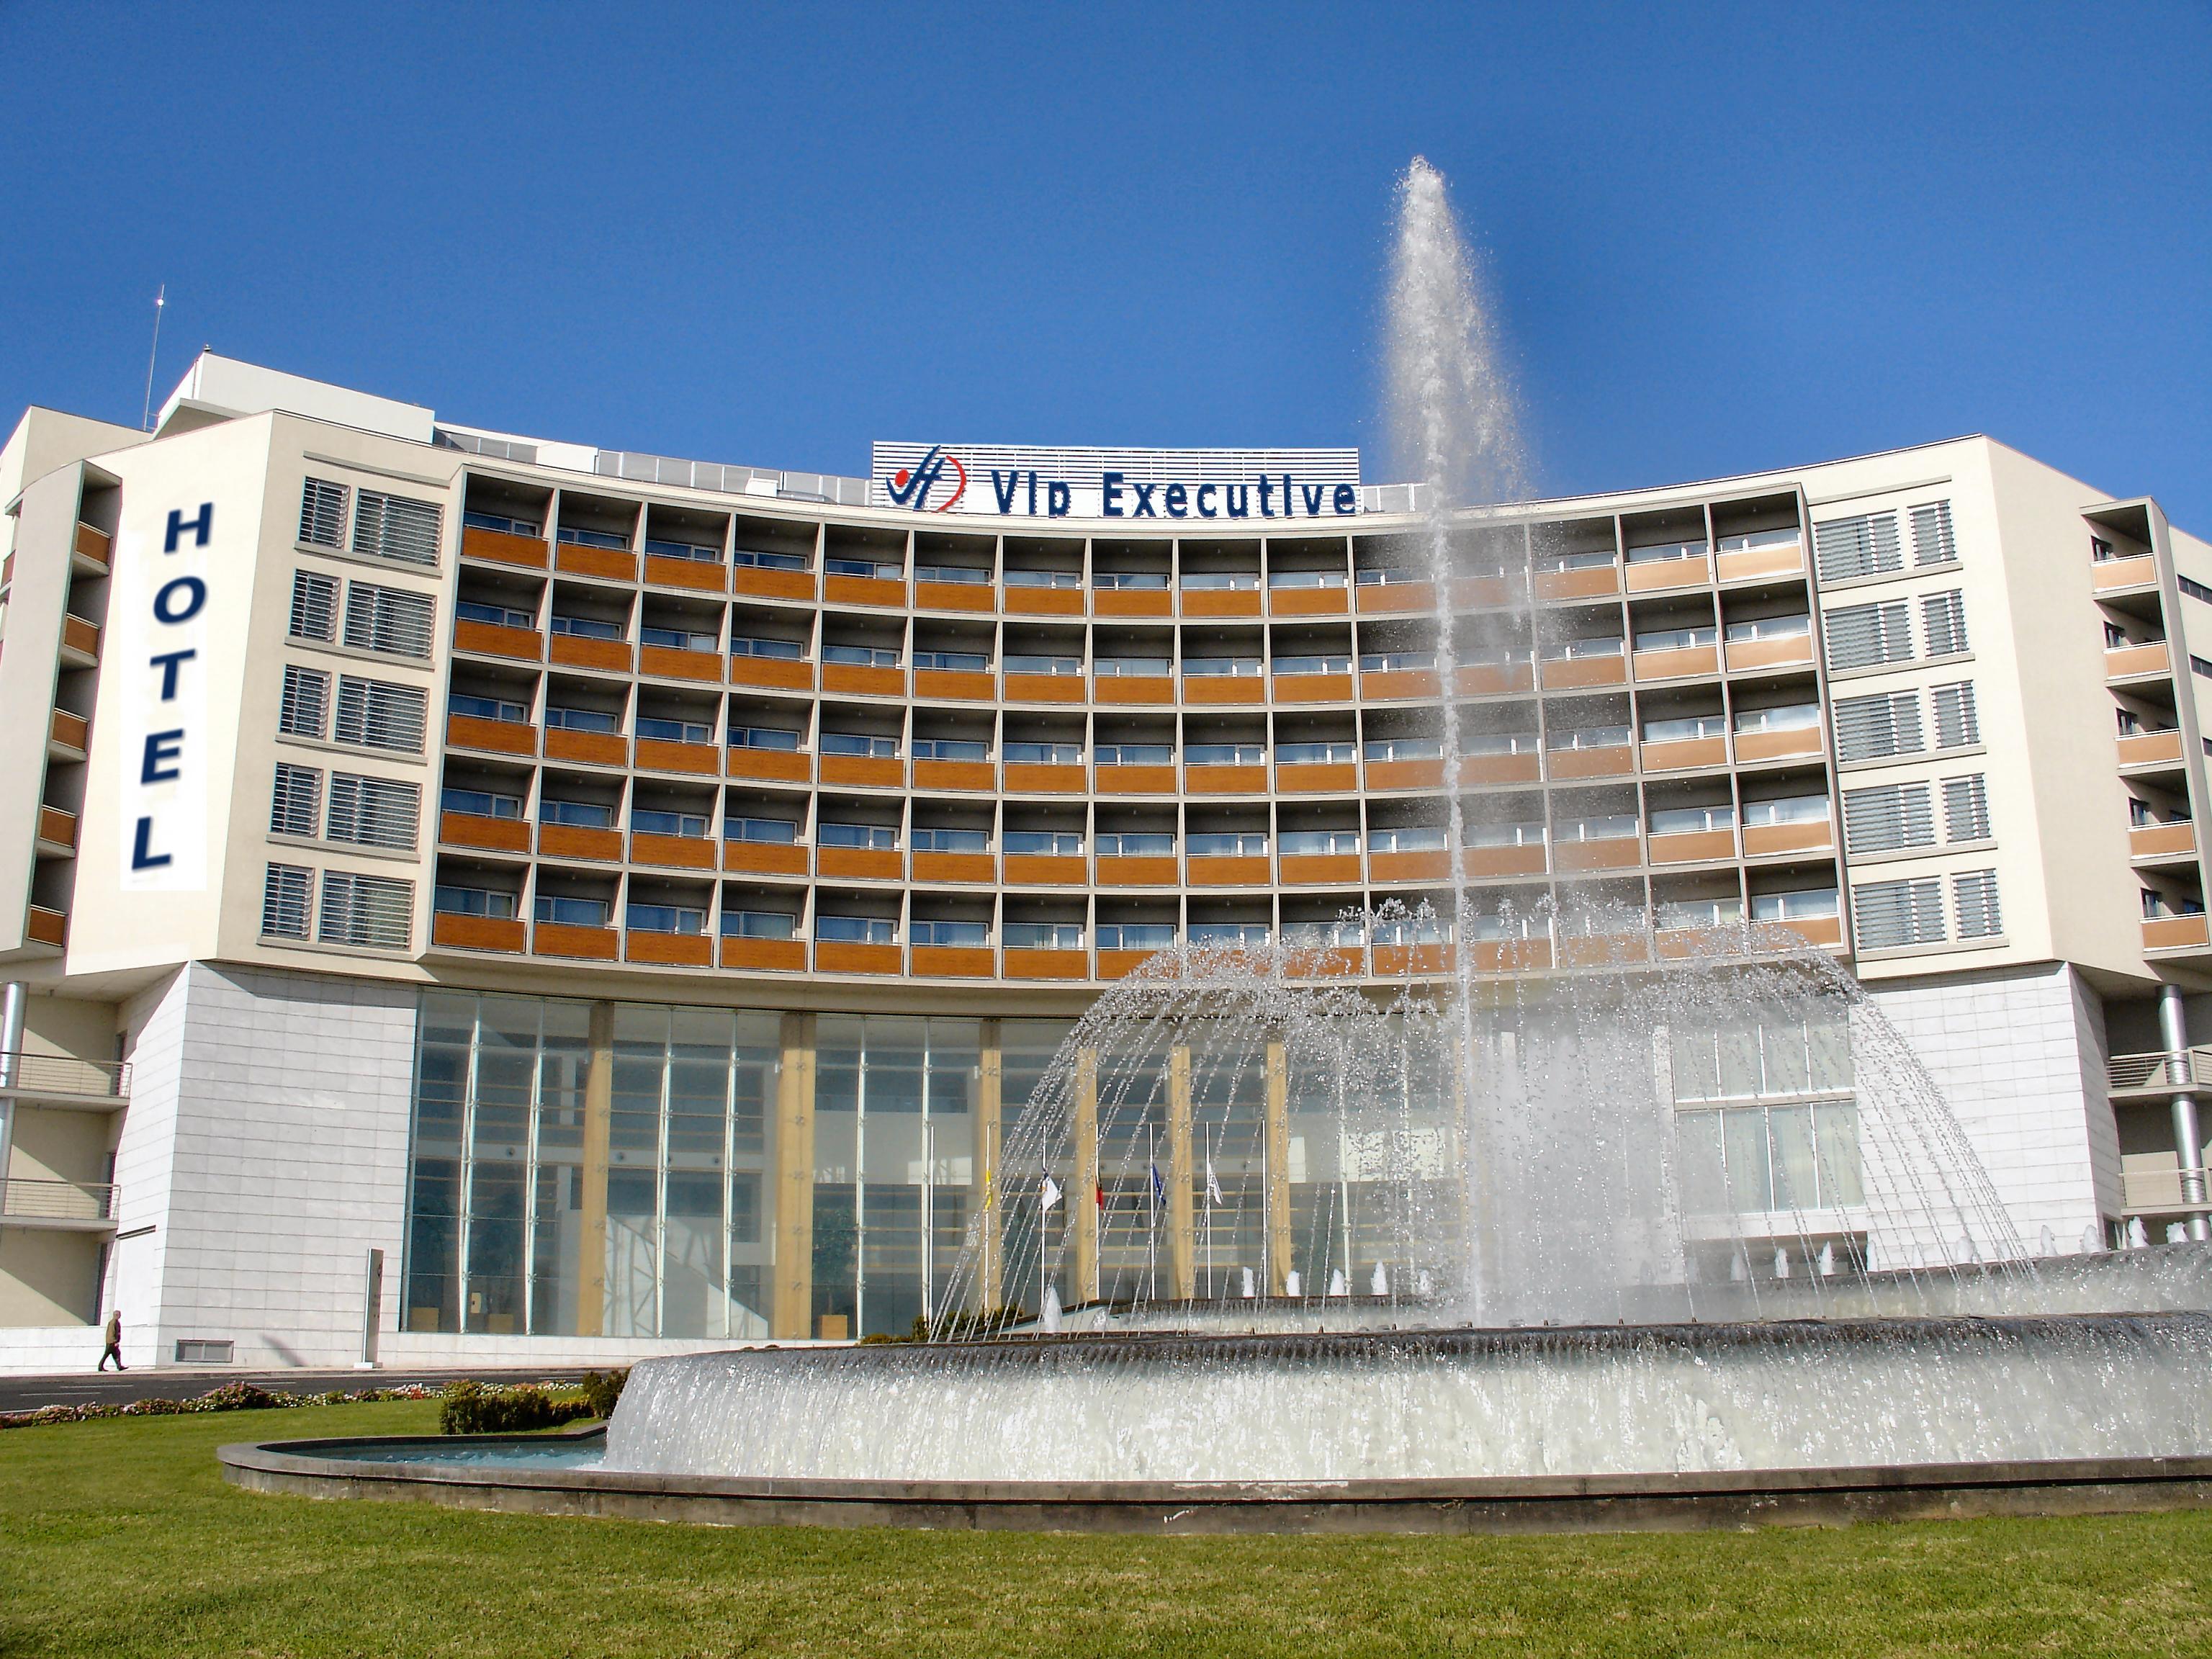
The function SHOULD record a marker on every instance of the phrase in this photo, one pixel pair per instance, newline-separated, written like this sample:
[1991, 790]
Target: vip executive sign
[1187, 486]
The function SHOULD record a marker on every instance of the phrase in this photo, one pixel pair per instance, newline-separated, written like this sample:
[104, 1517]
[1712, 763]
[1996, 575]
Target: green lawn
[120, 1538]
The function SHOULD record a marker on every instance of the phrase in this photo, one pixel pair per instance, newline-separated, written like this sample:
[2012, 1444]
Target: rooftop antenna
[146, 416]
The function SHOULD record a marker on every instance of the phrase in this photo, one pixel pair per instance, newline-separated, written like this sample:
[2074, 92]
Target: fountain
[1582, 1222]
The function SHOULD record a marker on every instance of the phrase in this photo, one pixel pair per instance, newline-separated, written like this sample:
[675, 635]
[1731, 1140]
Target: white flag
[1047, 1194]
[1212, 1186]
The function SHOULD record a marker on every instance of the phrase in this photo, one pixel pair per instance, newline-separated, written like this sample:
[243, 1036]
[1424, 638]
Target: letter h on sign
[200, 526]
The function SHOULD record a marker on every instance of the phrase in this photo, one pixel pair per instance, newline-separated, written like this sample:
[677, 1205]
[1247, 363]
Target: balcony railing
[2190, 1069]
[24, 1200]
[65, 1076]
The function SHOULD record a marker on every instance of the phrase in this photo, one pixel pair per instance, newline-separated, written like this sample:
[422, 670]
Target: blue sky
[1721, 238]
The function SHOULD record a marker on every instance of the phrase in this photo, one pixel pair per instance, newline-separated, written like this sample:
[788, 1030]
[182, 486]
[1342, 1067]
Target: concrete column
[1083, 1197]
[791, 1308]
[1279, 1170]
[599, 1121]
[1182, 1261]
[989, 1089]
[2188, 1141]
[13, 996]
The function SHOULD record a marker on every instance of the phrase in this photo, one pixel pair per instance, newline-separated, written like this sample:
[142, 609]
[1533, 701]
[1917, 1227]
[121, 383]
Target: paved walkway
[21, 1394]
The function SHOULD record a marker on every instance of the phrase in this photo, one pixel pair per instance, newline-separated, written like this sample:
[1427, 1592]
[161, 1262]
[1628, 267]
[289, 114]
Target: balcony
[1136, 778]
[65, 1206]
[1484, 861]
[1307, 593]
[763, 857]
[852, 957]
[966, 775]
[1412, 772]
[1043, 592]
[1395, 593]
[767, 765]
[2164, 933]
[1025, 963]
[952, 961]
[1312, 684]
[68, 736]
[1240, 685]
[671, 851]
[1803, 835]
[1676, 662]
[1591, 759]
[2159, 1074]
[92, 551]
[678, 755]
[1047, 870]
[498, 737]
[2161, 841]
[609, 656]
[1228, 870]
[1760, 556]
[958, 869]
[1683, 754]
[1134, 870]
[1043, 680]
[861, 863]
[1693, 847]
[862, 771]
[1221, 594]
[680, 570]
[1596, 849]
[2149, 749]
[503, 547]
[570, 743]
[65, 1080]
[776, 673]
[452, 931]
[772, 956]
[1316, 777]
[615, 564]
[667, 950]
[670, 662]
[1596, 579]
[886, 589]
[1226, 778]
[1044, 778]
[2123, 576]
[972, 686]
[497, 835]
[1777, 743]
[954, 587]
[45, 926]
[57, 835]
[770, 581]
[2135, 662]
[2150, 1184]
[568, 939]
[498, 639]
[1654, 569]
[1118, 684]
[1320, 869]
[1595, 663]
[80, 641]
[577, 840]
[863, 679]
[1780, 651]
[1393, 681]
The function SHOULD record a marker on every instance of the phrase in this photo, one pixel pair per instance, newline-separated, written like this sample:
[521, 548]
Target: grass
[121, 1538]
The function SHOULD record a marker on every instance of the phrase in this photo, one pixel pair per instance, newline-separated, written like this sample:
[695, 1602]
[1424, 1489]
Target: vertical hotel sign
[162, 667]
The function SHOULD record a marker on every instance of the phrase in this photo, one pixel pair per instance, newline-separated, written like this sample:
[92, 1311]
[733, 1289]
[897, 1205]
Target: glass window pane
[1836, 1131]
[1751, 1185]
[1781, 1038]
[1699, 1171]
[1790, 1129]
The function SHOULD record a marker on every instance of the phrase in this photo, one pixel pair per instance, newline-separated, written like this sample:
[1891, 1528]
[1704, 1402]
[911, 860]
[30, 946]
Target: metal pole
[12, 997]
[2188, 1143]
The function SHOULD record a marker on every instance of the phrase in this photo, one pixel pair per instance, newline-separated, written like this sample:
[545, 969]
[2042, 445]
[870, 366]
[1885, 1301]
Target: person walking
[114, 1349]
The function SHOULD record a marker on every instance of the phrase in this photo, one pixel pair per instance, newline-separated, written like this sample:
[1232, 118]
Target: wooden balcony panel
[1400, 685]
[2147, 841]
[695, 574]
[1615, 853]
[1762, 563]
[669, 950]
[1398, 600]
[676, 852]
[1683, 753]
[1396, 960]
[608, 563]
[1655, 575]
[1602, 950]
[860, 863]
[1406, 774]
[1746, 655]
[2150, 748]
[1048, 964]
[592, 748]
[498, 737]
[497, 547]
[769, 765]
[1220, 602]
[1617, 762]
[973, 597]
[1309, 601]
[1214, 691]
[972, 777]
[57, 828]
[1027, 780]
[8, 571]
[764, 858]
[473, 830]
[1677, 665]
[1313, 688]
[1118, 964]
[1511, 956]
[1044, 602]
[574, 651]
[574, 841]
[842, 956]
[1496, 679]
[755, 583]
[973, 869]
[664, 662]
[1826, 930]
[1047, 870]
[1039, 687]
[773, 673]
[1766, 840]
[1136, 872]
[1489, 861]
[561, 938]
[764, 955]
[1225, 779]
[1569, 673]
[1694, 847]
[1431, 865]
[955, 684]
[2130, 660]
[665, 755]
[1319, 869]
[865, 771]
[1481, 771]
[1335, 962]
[1136, 780]
[45, 926]
[1228, 872]
[1595, 581]
[886, 593]
[953, 962]
[1112, 689]
[79, 638]
[1674, 944]
[459, 932]
[68, 730]
[1317, 778]
[1131, 602]
[853, 679]
[490, 640]
[2109, 574]
[94, 546]
[1803, 740]
[2174, 933]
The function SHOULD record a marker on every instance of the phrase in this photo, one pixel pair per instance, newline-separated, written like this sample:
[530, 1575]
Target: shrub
[602, 1389]
[471, 1408]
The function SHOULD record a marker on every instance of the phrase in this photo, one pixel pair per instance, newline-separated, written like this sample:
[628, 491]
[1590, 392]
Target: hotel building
[471, 898]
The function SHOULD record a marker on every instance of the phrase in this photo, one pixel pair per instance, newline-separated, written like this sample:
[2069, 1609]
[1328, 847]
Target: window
[871, 837]
[286, 895]
[473, 901]
[1932, 541]
[1869, 728]
[1965, 809]
[572, 912]
[1974, 894]
[387, 619]
[759, 924]
[2100, 550]
[394, 527]
[1957, 723]
[1869, 635]
[856, 930]
[1887, 818]
[306, 704]
[375, 911]
[1943, 617]
[1042, 935]
[479, 803]
[781, 832]
[314, 606]
[1892, 914]
[2194, 590]
[380, 716]
[293, 802]
[1864, 546]
[373, 812]
[322, 513]
[966, 935]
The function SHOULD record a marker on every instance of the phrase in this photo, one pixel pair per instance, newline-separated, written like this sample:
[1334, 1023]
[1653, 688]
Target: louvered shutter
[1943, 618]
[306, 703]
[285, 895]
[1974, 896]
[373, 812]
[1866, 546]
[378, 715]
[1867, 635]
[394, 527]
[314, 606]
[1932, 541]
[1957, 722]
[385, 619]
[295, 799]
[375, 911]
[1869, 728]
[1965, 809]
[1888, 817]
[322, 513]
[1891, 913]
